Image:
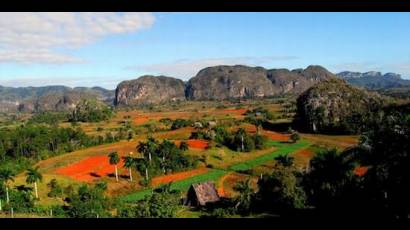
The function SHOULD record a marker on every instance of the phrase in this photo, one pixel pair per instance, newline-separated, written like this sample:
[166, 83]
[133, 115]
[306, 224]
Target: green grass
[215, 174]
[182, 185]
[284, 149]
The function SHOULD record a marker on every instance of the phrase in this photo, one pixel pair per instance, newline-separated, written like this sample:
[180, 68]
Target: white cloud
[36, 56]
[41, 33]
[186, 68]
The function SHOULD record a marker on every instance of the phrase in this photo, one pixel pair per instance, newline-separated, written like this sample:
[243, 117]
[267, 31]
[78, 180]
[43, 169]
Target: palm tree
[6, 175]
[114, 160]
[129, 162]
[148, 148]
[33, 175]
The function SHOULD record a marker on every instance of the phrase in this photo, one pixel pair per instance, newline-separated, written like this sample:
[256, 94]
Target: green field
[215, 174]
[283, 150]
[182, 185]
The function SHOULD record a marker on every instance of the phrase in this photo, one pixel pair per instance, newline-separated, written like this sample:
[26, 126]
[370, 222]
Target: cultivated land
[223, 166]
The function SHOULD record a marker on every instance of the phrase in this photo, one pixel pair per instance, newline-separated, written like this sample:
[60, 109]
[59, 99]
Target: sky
[103, 49]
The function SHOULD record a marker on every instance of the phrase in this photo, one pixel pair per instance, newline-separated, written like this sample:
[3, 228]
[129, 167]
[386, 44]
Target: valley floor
[91, 165]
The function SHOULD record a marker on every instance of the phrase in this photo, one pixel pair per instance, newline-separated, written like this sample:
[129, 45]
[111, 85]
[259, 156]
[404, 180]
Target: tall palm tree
[129, 162]
[33, 175]
[114, 160]
[6, 175]
[148, 148]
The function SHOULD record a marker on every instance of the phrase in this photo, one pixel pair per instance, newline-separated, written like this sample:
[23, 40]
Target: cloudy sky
[90, 49]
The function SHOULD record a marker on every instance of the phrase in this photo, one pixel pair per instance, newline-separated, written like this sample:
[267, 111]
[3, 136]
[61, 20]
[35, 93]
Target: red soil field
[89, 169]
[139, 120]
[304, 153]
[235, 111]
[361, 170]
[177, 176]
[198, 144]
[277, 136]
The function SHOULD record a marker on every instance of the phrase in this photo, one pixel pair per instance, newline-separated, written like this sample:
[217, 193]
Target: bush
[295, 137]
[55, 189]
[180, 123]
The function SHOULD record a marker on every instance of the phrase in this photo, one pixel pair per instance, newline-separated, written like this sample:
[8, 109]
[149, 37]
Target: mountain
[334, 105]
[239, 81]
[148, 90]
[298, 80]
[224, 82]
[49, 98]
[374, 80]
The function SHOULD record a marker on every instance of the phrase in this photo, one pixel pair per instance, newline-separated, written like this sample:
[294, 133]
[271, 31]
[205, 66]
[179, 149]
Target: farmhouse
[202, 194]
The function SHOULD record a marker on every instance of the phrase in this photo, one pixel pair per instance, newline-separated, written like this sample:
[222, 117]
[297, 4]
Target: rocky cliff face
[298, 80]
[222, 82]
[334, 105]
[149, 90]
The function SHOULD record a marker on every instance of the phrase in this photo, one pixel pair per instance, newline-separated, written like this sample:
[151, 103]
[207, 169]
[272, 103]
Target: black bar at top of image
[206, 5]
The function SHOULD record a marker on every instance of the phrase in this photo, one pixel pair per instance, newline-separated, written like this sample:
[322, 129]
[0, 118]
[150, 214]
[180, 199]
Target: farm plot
[89, 169]
[285, 149]
[182, 185]
[215, 174]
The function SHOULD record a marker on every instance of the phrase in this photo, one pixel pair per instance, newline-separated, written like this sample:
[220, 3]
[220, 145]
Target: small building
[202, 194]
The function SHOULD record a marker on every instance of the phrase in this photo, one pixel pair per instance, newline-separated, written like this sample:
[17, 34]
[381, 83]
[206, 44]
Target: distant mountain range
[211, 83]
[374, 80]
[49, 98]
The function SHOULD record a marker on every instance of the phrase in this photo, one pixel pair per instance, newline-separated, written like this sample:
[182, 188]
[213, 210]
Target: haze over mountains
[211, 83]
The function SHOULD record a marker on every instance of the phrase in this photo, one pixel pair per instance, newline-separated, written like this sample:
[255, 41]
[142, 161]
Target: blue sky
[77, 49]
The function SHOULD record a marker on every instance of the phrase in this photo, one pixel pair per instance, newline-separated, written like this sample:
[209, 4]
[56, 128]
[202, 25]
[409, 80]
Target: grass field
[215, 174]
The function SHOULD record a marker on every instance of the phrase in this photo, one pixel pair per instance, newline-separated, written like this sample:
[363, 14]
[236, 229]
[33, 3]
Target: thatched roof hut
[202, 194]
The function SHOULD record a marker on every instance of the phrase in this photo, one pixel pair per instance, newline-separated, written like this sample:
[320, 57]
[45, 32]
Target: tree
[6, 175]
[130, 135]
[242, 141]
[33, 175]
[148, 148]
[55, 188]
[281, 191]
[329, 180]
[295, 137]
[114, 160]
[285, 160]
[129, 162]
[384, 148]
[244, 199]
[183, 146]
[163, 203]
[89, 202]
